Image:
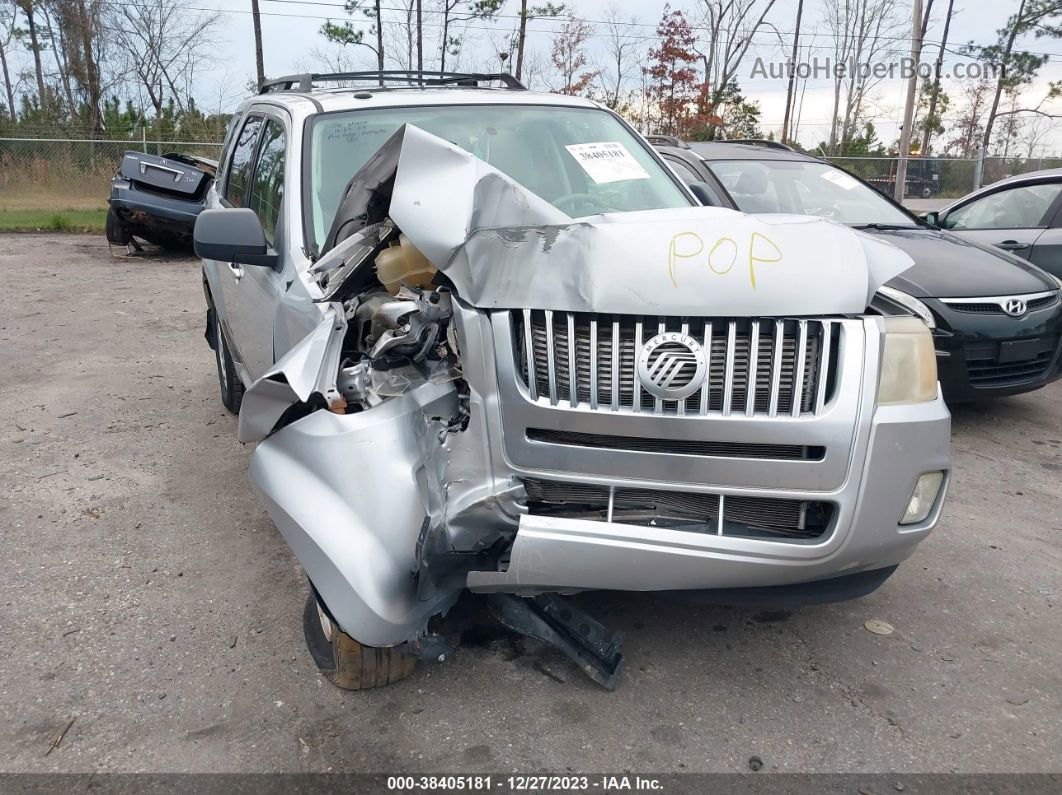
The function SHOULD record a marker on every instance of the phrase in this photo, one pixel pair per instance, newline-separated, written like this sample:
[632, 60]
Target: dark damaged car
[157, 199]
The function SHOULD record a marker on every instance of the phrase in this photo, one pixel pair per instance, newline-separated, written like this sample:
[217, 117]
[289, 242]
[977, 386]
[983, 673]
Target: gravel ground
[147, 596]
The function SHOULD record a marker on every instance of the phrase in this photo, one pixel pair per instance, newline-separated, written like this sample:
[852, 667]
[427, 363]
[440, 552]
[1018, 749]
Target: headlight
[908, 363]
[910, 303]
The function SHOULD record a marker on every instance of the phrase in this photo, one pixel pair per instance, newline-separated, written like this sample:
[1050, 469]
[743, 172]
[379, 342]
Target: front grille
[985, 370]
[588, 359]
[696, 447]
[714, 514]
[995, 306]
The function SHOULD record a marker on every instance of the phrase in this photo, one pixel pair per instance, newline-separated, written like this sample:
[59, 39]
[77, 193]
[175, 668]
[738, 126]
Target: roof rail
[760, 142]
[667, 140]
[305, 82]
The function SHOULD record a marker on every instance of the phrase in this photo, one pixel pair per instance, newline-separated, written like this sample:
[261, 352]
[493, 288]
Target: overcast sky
[291, 34]
[292, 43]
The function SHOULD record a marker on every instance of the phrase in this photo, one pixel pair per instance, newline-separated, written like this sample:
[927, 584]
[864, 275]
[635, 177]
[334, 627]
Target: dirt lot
[147, 596]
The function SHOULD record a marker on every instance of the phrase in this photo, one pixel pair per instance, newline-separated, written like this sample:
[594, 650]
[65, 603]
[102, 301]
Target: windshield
[581, 160]
[793, 186]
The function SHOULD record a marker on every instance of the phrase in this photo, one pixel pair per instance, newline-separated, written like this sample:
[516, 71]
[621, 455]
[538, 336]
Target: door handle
[237, 270]
[1011, 245]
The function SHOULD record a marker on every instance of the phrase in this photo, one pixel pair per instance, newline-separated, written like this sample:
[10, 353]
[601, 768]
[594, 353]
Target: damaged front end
[437, 430]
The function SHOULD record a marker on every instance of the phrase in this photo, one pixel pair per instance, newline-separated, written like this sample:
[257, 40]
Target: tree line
[119, 68]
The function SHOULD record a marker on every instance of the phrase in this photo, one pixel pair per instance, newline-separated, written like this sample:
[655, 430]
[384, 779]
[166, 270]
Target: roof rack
[305, 82]
[667, 140]
[760, 142]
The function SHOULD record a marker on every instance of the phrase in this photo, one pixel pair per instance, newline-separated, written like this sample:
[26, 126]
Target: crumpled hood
[504, 247]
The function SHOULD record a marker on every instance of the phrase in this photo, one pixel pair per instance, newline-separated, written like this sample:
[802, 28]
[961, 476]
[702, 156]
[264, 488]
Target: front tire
[230, 383]
[343, 661]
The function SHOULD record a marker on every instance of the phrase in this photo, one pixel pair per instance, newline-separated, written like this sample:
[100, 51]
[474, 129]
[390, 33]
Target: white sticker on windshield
[840, 179]
[608, 161]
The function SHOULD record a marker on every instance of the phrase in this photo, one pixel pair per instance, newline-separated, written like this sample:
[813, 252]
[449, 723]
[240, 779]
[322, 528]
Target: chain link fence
[942, 178]
[56, 174]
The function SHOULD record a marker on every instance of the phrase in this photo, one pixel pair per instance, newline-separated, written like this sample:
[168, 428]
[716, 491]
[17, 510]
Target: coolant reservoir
[403, 263]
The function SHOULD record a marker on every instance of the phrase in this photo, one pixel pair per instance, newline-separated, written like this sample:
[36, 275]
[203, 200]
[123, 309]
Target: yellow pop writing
[722, 255]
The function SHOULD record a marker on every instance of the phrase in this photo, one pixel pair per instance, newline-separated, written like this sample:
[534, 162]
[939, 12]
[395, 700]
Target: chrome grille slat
[802, 342]
[593, 364]
[573, 388]
[764, 367]
[776, 366]
[754, 354]
[728, 378]
[820, 387]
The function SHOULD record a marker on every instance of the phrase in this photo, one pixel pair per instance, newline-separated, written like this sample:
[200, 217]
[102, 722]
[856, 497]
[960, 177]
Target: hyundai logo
[672, 366]
[1015, 307]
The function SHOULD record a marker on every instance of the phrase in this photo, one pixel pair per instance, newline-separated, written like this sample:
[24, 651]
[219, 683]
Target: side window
[230, 133]
[1017, 208]
[236, 183]
[685, 173]
[267, 186]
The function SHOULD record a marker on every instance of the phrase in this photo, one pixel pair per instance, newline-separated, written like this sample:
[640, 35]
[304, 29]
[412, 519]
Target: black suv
[996, 319]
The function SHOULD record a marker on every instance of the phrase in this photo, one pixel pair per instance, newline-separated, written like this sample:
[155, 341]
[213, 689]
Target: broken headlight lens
[908, 363]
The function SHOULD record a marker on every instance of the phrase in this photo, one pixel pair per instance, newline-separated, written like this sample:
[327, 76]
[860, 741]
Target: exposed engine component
[402, 263]
[399, 341]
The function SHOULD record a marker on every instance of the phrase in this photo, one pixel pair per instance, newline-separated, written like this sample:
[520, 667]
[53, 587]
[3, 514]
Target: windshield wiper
[885, 227]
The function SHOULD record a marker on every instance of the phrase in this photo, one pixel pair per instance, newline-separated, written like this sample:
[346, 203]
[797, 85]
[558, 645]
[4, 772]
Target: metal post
[979, 168]
[908, 111]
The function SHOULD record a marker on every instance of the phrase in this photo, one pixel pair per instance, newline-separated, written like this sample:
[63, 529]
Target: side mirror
[232, 235]
[932, 218]
[703, 193]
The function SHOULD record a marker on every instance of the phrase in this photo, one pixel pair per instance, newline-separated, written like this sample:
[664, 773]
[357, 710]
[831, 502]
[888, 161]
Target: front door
[261, 288]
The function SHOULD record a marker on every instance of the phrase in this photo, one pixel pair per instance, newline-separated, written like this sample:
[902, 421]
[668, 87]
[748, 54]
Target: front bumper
[874, 456]
[969, 345]
[552, 553]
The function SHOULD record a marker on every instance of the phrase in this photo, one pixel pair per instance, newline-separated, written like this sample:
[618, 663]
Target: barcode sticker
[608, 161]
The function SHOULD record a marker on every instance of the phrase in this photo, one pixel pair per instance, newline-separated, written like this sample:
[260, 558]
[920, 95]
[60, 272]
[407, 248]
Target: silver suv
[487, 340]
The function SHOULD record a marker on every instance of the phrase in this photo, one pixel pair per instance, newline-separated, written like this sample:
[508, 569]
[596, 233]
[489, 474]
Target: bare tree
[164, 43]
[968, 126]
[934, 96]
[28, 8]
[864, 32]
[568, 57]
[8, 19]
[730, 26]
[1033, 133]
[789, 91]
[621, 48]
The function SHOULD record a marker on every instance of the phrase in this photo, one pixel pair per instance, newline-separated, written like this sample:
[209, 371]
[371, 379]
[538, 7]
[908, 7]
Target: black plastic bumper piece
[835, 589]
[555, 620]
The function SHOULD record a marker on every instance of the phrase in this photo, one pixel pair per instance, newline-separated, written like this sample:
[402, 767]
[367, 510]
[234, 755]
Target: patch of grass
[49, 220]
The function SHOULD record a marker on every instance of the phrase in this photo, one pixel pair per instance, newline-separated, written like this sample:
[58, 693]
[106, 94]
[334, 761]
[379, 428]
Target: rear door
[260, 288]
[1012, 218]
